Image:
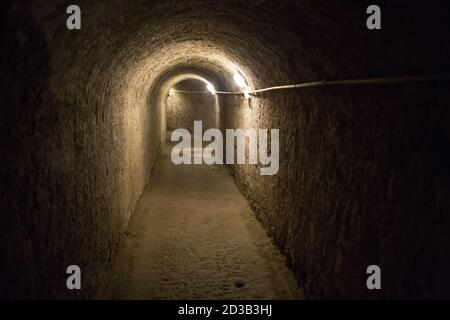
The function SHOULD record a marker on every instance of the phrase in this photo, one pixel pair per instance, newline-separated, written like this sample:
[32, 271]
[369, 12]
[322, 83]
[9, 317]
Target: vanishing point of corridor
[330, 176]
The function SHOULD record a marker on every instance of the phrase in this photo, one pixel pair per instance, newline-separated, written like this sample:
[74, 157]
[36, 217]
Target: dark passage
[193, 236]
[86, 176]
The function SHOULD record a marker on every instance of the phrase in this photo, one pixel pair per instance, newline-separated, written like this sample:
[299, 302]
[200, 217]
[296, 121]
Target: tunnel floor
[193, 236]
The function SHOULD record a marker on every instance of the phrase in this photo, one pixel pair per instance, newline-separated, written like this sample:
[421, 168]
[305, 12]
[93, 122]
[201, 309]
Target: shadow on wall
[28, 133]
[364, 171]
[363, 179]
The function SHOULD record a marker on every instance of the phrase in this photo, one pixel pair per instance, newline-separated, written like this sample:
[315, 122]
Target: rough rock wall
[183, 109]
[76, 152]
[359, 184]
[78, 135]
[364, 175]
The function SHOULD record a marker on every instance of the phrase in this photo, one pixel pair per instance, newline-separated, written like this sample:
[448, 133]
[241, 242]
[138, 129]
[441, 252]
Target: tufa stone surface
[364, 175]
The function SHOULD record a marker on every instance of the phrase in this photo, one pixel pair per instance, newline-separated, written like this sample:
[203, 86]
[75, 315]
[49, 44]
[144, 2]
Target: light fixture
[239, 79]
[171, 92]
[211, 88]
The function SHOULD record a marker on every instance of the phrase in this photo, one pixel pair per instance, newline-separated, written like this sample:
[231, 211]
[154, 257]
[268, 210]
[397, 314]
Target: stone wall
[76, 153]
[359, 184]
[183, 109]
[363, 178]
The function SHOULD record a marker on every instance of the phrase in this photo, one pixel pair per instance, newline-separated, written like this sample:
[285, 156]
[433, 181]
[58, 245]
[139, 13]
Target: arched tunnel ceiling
[148, 39]
[172, 80]
[270, 43]
[79, 140]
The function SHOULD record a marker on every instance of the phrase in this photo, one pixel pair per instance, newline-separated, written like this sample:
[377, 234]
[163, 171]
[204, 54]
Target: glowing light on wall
[211, 88]
[239, 79]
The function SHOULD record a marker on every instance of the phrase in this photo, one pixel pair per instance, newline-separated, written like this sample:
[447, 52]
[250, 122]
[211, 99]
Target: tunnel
[87, 120]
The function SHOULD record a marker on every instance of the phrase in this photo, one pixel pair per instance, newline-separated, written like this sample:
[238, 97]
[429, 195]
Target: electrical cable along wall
[363, 177]
[407, 79]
